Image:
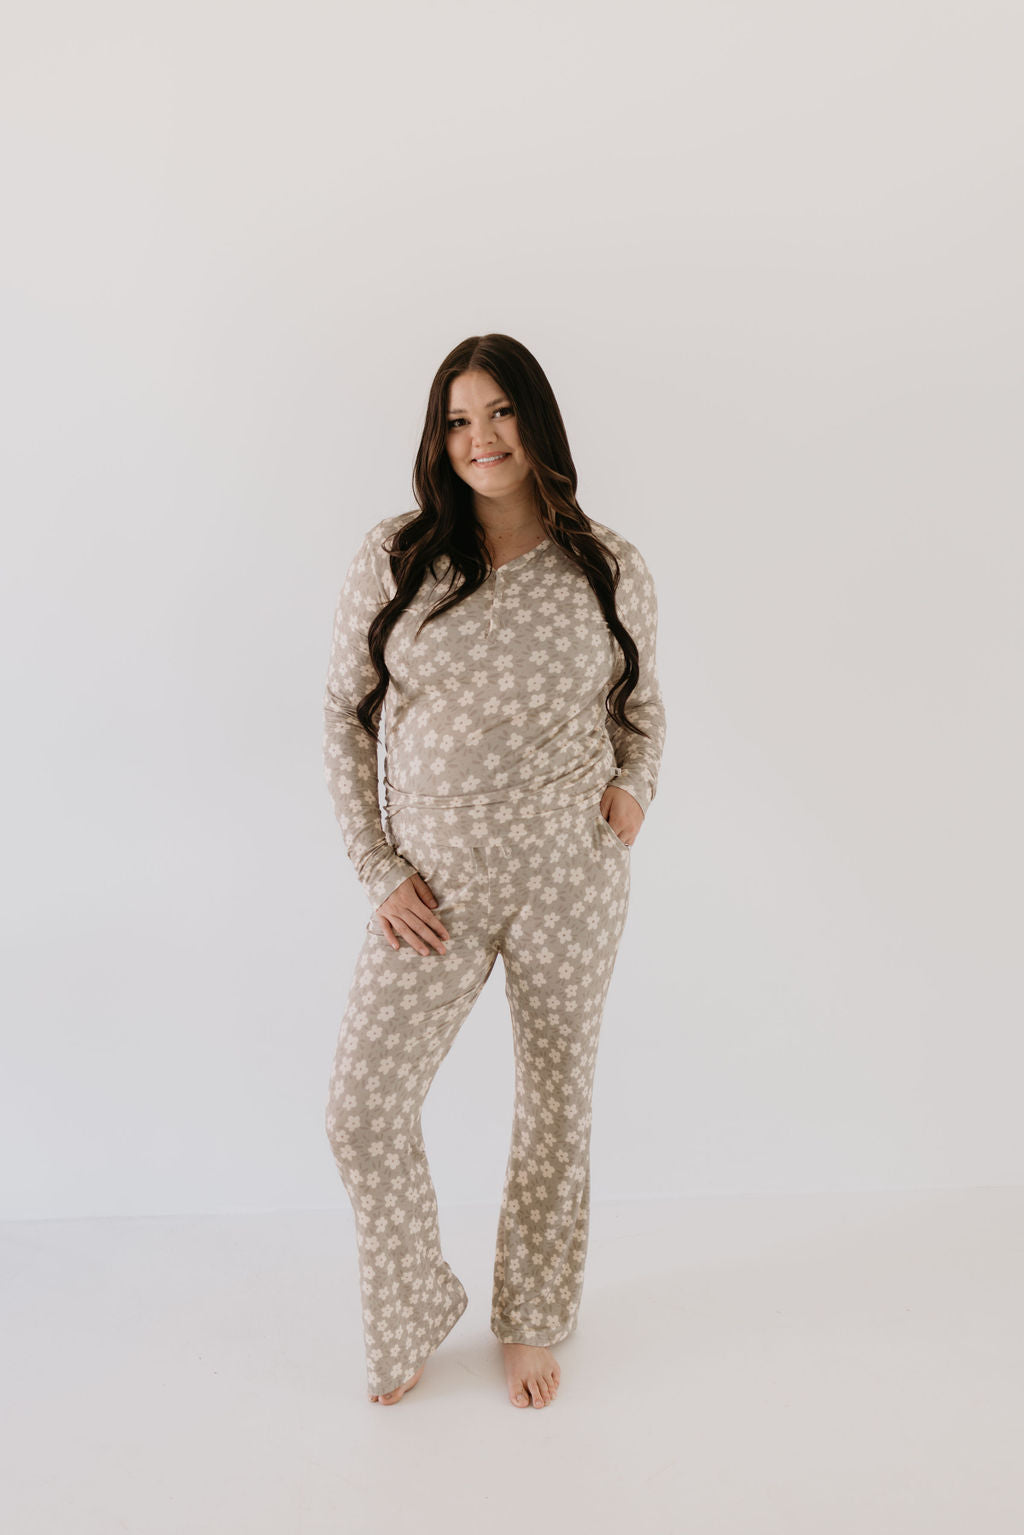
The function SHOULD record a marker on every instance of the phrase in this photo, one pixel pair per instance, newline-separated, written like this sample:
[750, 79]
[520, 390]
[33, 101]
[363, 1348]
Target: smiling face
[483, 439]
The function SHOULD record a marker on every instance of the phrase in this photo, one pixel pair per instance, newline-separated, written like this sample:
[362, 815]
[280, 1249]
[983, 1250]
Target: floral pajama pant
[549, 893]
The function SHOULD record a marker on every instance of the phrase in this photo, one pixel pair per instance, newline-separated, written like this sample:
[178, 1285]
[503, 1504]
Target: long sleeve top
[497, 709]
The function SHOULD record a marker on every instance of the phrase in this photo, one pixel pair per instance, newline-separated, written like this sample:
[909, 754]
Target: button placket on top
[496, 576]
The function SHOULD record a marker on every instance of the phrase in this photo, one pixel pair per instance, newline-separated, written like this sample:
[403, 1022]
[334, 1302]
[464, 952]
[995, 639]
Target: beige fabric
[497, 709]
[497, 754]
[552, 900]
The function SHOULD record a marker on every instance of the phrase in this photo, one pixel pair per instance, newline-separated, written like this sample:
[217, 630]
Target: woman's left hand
[622, 813]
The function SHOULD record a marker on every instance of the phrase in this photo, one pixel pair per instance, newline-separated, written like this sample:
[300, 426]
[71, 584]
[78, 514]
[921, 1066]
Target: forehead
[474, 388]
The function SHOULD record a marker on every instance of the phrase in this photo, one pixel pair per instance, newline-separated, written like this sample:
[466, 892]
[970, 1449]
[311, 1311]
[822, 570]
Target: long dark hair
[447, 524]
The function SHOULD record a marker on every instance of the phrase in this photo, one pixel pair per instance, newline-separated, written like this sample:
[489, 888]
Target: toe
[520, 1399]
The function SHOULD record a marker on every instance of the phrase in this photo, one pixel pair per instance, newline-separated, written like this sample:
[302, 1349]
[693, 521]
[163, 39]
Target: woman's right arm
[350, 756]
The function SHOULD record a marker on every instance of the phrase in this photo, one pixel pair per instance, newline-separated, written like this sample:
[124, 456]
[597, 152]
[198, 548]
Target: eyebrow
[457, 410]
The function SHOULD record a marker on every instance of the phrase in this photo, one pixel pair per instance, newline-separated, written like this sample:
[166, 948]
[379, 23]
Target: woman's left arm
[638, 758]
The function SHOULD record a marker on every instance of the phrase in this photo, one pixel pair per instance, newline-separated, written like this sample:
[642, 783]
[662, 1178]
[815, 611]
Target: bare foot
[389, 1398]
[531, 1372]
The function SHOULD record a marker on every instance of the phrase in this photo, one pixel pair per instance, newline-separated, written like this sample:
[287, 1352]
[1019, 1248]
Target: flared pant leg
[403, 1013]
[551, 896]
[569, 899]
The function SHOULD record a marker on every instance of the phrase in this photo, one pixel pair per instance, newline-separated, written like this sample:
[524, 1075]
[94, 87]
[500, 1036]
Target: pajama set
[497, 751]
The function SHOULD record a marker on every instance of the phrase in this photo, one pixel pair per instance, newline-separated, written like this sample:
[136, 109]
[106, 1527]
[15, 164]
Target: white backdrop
[769, 257]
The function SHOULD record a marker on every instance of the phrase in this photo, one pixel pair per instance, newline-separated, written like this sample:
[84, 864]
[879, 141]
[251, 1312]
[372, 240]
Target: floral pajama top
[496, 711]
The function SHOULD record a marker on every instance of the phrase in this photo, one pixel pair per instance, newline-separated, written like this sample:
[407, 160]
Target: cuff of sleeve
[636, 785]
[388, 874]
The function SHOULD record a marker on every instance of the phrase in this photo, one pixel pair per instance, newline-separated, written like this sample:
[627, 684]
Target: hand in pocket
[408, 911]
[623, 814]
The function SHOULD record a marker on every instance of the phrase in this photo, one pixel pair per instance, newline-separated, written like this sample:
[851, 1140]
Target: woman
[489, 630]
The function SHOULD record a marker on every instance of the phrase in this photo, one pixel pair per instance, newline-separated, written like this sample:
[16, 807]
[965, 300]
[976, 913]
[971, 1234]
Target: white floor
[820, 1364]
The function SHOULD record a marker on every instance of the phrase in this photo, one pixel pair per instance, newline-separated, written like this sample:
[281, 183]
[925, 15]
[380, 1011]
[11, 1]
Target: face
[482, 425]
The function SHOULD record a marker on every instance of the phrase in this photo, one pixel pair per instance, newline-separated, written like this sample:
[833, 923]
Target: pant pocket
[612, 833]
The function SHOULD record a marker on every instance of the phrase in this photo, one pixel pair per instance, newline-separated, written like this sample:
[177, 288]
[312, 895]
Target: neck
[508, 519]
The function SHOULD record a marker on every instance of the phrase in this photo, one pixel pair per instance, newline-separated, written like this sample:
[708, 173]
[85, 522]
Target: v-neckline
[518, 558]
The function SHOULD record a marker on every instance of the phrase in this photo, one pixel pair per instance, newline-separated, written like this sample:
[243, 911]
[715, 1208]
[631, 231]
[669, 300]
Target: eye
[455, 421]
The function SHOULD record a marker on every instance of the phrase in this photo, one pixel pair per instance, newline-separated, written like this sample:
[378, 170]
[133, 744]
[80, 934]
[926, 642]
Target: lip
[495, 464]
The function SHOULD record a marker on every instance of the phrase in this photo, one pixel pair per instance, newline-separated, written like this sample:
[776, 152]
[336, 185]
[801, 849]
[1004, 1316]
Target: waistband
[461, 821]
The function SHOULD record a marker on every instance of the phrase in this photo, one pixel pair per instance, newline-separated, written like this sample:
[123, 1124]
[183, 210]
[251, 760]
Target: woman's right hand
[408, 911]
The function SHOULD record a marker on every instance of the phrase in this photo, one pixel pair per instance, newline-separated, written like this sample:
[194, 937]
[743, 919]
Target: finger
[422, 919]
[418, 932]
[435, 922]
[411, 938]
[427, 917]
[430, 928]
[388, 931]
[423, 890]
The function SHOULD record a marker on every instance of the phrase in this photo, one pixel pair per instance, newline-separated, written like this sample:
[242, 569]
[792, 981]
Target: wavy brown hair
[447, 523]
